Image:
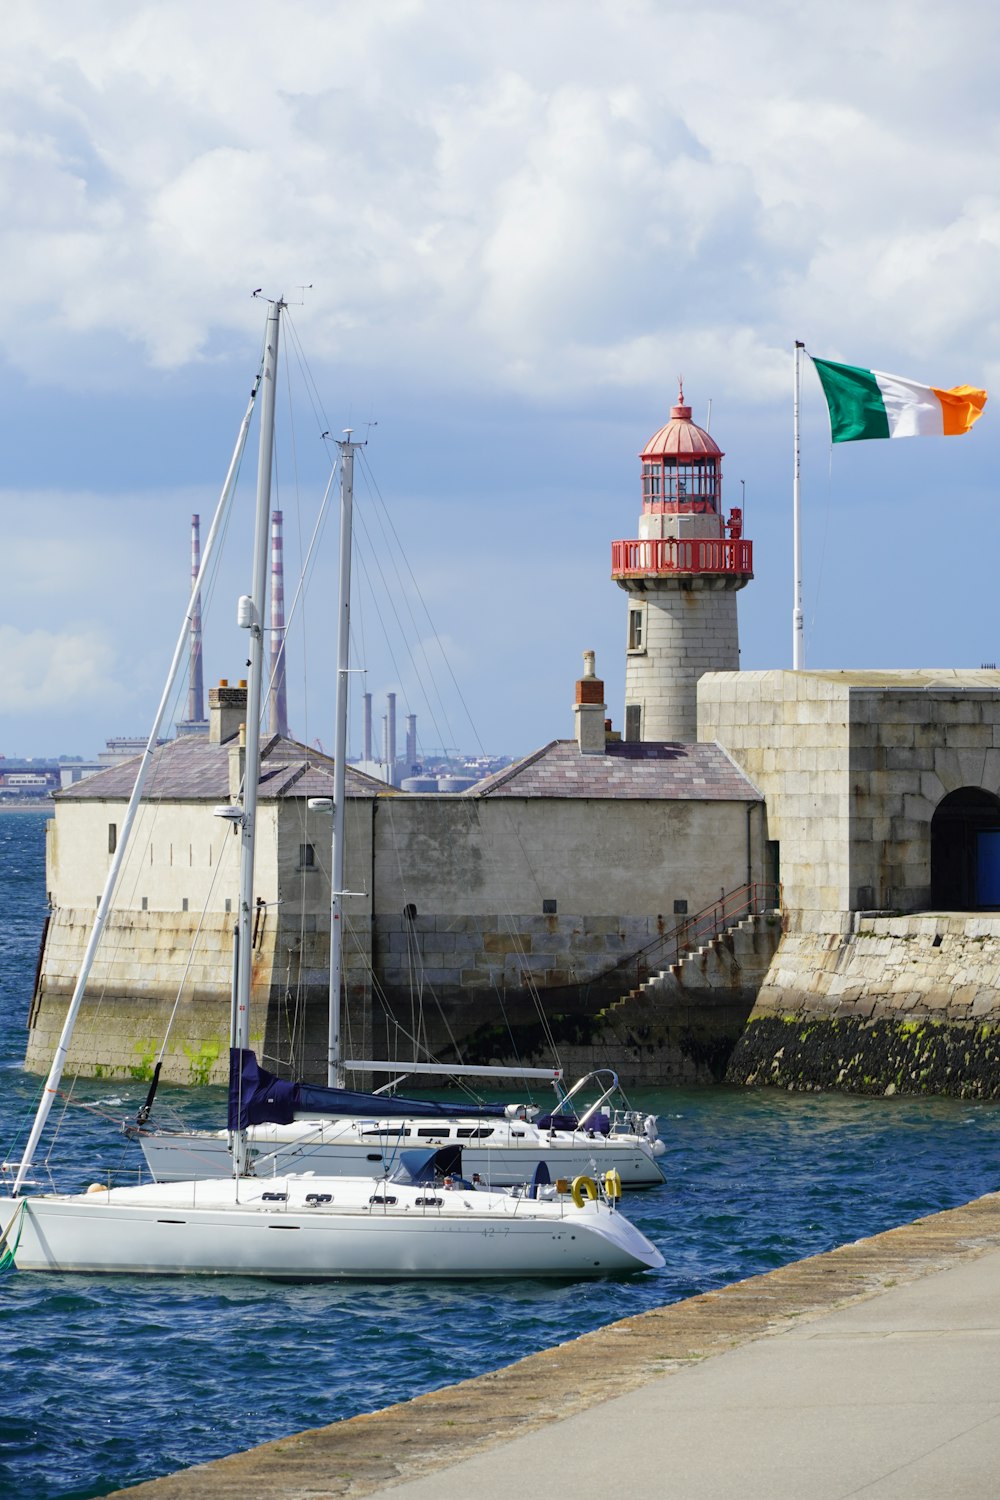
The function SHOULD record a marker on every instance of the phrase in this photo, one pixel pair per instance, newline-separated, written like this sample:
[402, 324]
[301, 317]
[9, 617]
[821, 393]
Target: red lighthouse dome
[681, 467]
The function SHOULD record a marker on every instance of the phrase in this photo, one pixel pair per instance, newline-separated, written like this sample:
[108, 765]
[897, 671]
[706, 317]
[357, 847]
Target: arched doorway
[965, 851]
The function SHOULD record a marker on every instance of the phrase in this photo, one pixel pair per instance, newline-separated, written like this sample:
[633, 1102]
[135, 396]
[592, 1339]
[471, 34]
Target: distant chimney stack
[237, 763]
[590, 709]
[227, 710]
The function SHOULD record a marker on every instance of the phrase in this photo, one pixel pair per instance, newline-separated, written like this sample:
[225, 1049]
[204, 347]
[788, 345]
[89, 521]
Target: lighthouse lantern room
[681, 574]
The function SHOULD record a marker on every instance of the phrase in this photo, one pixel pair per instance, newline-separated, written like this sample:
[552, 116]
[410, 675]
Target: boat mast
[251, 616]
[335, 1075]
[131, 812]
[336, 1068]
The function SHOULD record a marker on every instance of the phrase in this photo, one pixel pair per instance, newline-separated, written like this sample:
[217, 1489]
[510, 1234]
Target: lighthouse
[681, 575]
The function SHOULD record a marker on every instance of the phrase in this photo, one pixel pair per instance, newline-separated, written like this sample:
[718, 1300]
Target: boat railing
[602, 1098]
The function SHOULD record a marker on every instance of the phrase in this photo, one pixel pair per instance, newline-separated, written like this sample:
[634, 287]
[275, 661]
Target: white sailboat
[340, 1133]
[337, 1132]
[412, 1223]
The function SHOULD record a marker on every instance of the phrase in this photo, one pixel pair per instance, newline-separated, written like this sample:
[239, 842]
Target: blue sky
[521, 220]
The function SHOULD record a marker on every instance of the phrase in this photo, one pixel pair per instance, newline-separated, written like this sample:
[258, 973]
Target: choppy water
[109, 1381]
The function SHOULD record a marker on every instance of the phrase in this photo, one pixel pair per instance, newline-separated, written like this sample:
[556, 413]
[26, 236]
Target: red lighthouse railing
[645, 559]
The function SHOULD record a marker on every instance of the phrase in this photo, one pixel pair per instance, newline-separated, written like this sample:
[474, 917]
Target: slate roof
[628, 768]
[189, 769]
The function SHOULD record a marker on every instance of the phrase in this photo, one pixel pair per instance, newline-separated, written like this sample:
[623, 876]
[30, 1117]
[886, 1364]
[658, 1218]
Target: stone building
[490, 921]
[883, 819]
[164, 967]
[881, 787]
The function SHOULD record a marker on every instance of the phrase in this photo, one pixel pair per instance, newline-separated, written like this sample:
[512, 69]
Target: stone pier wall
[146, 988]
[894, 1004]
[498, 989]
[497, 985]
[143, 963]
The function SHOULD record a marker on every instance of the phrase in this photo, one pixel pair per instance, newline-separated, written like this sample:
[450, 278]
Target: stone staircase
[680, 1025]
[736, 958]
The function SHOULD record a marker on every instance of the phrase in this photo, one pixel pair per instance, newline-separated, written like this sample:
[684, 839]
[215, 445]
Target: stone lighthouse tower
[681, 575]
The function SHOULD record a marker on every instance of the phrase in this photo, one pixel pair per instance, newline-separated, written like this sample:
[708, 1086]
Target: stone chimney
[227, 710]
[590, 709]
[237, 763]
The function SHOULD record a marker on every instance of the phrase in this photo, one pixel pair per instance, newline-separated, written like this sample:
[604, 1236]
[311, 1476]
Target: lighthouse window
[693, 485]
[636, 640]
[651, 486]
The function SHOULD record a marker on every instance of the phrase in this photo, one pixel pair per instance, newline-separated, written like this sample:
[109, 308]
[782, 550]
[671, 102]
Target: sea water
[108, 1380]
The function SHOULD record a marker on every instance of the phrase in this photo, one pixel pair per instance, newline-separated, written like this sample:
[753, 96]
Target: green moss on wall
[869, 1057]
[201, 1061]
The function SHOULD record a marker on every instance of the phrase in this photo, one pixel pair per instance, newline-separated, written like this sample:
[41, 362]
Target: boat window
[387, 1130]
[478, 1134]
[518, 1133]
[431, 1132]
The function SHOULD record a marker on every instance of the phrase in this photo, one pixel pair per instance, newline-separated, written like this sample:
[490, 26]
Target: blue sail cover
[257, 1097]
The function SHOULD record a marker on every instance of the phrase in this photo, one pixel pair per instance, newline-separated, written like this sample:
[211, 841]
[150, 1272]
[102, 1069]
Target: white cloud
[495, 194]
[65, 670]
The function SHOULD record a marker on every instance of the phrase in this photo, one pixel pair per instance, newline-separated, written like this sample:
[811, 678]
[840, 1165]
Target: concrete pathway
[894, 1397]
[871, 1371]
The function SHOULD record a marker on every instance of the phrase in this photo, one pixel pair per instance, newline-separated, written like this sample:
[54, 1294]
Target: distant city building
[25, 780]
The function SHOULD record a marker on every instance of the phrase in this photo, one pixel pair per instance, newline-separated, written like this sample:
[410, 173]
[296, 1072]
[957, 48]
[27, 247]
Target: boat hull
[348, 1148]
[228, 1229]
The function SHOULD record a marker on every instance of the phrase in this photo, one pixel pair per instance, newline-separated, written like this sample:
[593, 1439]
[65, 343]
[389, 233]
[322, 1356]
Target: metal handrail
[644, 557]
[752, 899]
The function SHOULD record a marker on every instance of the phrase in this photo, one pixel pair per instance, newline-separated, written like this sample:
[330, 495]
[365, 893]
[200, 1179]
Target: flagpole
[797, 653]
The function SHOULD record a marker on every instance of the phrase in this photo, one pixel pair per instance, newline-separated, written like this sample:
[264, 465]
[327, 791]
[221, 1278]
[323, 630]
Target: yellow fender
[612, 1185]
[582, 1185]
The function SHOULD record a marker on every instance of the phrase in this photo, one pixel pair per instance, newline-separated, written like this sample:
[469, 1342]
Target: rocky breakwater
[894, 1005]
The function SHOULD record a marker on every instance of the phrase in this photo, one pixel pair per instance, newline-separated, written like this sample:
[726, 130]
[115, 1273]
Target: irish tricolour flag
[871, 404]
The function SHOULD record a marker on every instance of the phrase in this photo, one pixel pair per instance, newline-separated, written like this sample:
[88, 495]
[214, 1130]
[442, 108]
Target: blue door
[988, 867]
